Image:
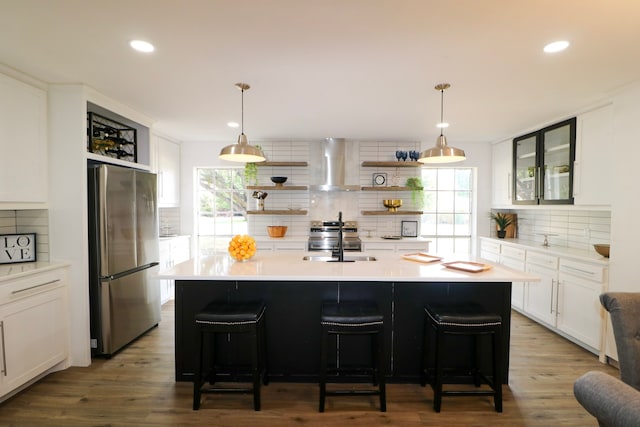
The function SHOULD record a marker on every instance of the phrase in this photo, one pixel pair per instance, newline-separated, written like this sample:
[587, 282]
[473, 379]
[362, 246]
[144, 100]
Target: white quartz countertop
[590, 255]
[18, 270]
[289, 265]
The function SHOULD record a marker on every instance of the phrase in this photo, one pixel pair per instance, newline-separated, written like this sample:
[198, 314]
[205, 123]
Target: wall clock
[379, 179]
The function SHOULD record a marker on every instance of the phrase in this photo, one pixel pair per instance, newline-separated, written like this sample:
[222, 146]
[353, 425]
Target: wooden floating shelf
[391, 188]
[282, 164]
[277, 188]
[392, 213]
[279, 212]
[392, 164]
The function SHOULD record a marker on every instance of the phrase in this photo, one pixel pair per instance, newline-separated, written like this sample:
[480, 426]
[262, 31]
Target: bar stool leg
[255, 367]
[497, 371]
[197, 383]
[323, 368]
[439, 370]
[378, 337]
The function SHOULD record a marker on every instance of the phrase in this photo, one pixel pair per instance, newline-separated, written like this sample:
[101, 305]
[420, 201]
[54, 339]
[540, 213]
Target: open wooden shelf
[282, 164]
[390, 188]
[279, 212]
[277, 188]
[392, 213]
[391, 164]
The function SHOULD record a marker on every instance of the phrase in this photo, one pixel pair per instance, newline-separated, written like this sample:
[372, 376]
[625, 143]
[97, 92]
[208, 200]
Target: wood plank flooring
[136, 387]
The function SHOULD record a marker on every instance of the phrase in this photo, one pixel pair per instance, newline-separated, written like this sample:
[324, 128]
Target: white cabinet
[580, 313]
[540, 297]
[593, 167]
[172, 251]
[168, 172]
[23, 134]
[33, 327]
[502, 169]
[514, 257]
[490, 250]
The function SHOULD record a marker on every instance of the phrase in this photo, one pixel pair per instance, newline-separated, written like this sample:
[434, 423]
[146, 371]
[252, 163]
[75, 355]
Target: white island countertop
[289, 265]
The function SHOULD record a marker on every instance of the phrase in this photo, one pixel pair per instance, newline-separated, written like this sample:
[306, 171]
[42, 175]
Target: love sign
[17, 248]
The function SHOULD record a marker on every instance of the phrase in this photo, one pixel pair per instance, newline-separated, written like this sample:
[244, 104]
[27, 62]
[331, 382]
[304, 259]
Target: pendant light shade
[442, 153]
[242, 151]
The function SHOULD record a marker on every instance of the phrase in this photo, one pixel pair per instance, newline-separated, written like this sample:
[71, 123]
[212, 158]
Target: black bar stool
[353, 318]
[463, 319]
[230, 318]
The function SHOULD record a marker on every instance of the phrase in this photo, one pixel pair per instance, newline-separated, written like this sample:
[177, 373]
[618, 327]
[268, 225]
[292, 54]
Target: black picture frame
[15, 248]
[409, 228]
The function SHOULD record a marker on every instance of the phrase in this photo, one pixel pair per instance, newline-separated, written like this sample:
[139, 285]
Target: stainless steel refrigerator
[123, 256]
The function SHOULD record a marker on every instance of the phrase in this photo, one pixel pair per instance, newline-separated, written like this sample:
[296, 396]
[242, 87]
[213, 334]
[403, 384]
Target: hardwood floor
[136, 387]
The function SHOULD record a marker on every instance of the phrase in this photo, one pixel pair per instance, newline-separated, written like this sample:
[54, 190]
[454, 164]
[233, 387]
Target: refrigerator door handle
[126, 273]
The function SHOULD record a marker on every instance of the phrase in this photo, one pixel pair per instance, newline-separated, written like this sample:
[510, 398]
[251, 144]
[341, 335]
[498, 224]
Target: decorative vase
[501, 234]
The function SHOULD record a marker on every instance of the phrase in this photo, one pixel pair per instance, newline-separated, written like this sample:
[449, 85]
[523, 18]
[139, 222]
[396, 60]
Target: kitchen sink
[347, 258]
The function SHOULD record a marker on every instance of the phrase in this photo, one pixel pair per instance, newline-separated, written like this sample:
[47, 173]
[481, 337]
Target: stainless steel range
[323, 236]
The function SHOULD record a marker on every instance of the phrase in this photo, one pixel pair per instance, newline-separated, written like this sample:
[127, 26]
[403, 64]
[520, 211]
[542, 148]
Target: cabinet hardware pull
[4, 350]
[553, 283]
[590, 273]
[35, 286]
[557, 296]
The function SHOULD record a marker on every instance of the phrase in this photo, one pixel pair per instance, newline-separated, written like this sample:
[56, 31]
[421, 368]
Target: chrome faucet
[338, 251]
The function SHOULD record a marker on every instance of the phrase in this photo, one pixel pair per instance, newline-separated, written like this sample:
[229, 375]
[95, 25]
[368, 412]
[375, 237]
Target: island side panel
[354, 349]
[191, 296]
[408, 327]
[293, 325]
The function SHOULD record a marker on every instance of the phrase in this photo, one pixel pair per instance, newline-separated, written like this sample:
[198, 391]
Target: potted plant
[415, 184]
[502, 222]
[251, 172]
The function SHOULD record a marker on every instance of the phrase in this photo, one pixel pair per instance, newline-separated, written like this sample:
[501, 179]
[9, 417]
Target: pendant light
[242, 151]
[442, 153]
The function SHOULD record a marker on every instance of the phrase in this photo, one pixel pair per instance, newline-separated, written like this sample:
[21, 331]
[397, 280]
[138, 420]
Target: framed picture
[379, 179]
[409, 228]
[17, 248]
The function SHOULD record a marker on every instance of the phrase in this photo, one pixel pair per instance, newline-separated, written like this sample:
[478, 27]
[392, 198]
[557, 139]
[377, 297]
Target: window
[448, 202]
[221, 202]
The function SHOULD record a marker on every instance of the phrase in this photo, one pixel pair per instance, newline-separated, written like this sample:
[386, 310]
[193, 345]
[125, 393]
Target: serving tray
[471, 267]
[421, 257]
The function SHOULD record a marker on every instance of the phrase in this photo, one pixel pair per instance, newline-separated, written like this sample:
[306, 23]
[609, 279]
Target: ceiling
[358, 69]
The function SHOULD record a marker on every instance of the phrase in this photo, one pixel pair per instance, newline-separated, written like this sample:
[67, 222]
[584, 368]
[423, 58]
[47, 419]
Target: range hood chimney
[333, 170]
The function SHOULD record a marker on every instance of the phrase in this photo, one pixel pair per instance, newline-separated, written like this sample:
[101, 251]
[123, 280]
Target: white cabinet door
[490, 250]
[23, 135]
[168, 173]
[593, 166]
[502, 168]
[171, 252]
[540, 297]
[580, 313]
[34, 331]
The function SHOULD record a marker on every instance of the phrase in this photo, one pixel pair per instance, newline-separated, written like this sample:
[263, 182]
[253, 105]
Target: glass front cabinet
[543, 165]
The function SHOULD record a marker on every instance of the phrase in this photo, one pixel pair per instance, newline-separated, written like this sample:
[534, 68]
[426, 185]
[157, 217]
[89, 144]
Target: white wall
[625, 229]
[206, 155]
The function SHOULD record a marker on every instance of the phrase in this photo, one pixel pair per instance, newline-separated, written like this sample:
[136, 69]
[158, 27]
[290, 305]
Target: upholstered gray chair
[612, 401]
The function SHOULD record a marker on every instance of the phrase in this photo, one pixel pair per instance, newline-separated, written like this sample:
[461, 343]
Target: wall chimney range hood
[332, 167]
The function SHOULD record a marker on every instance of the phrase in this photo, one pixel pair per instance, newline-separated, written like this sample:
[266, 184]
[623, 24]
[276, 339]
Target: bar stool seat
[461, 319]
[353, 318]
[230, 318]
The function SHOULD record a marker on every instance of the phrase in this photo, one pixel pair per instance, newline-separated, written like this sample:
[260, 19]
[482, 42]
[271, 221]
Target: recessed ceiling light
[233, 124]
[141, 46]
[556, 46]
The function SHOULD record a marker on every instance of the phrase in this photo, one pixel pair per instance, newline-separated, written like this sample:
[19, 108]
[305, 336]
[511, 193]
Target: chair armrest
[612, 402]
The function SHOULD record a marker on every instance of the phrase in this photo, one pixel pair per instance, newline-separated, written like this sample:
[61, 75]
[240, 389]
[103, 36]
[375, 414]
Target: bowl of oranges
[242, 247]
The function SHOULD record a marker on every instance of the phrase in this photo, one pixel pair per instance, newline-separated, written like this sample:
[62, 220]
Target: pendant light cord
[242, 111]
[441, 111]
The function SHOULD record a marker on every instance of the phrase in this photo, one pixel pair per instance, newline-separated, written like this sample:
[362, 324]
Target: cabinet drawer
[583, 270]
[543, 260]
[513, 252]
[489, 246]
[25, 286]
